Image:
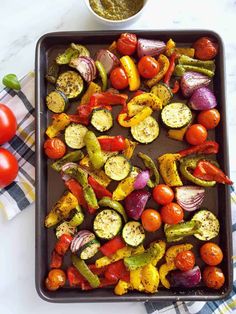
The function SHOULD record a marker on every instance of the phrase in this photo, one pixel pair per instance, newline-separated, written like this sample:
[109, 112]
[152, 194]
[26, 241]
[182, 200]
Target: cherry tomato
[172, 214]
[127, 44]
[63, 244]
[209, 118]
[148, 67]
[57, 277]
[50, 285]
[205, 48]
[211, 254]
[196, 134]
[54, 148]
[163, 194]
[8, 168]
[8, 124]
[185, 260]
[119, 79]
[151, 220]
[213, 277]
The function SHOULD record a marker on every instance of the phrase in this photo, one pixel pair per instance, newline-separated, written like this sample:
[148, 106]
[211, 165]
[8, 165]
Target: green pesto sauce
[116, 9]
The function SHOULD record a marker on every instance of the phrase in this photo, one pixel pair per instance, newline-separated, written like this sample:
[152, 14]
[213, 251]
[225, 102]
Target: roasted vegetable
[150, 165]
[74, 135]
[77, 218]
[92, 89]
[56, 101]
[59, 123]
[108, 202]
[61, 209]
[186, 279]
[135, 203]
[185, 60]
[202, 99]
[65, 228]
[150, 47]
[133, 233]
[205, 48]
[164, 65]
[102, 119]
[146, 131]
[180, 230]
[191, 81]
[180, 69]
[142, 180]
[70, 83]
[125, 187]
[65, 57]
[132, 72]
[209, 227]
[94, 150]
[70, 157]
[135, 120]
[168, 169]
[190, 197]
[171, 48]
[121, 288]
[136, 104]
[117, 167]
[176, 115]
[150, 278]
[102, 73]
[52, 73]
[164, 93]
[107, 224]
[85, 66]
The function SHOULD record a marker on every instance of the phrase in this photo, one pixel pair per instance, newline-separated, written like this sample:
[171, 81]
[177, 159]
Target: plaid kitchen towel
[20, 194]
[225, 306]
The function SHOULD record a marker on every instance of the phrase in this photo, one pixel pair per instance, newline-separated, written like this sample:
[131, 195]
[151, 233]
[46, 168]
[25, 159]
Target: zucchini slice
[176, 115]
[210, 226]
[74, 135]
[133, 233]
[65, 228]
[89, 249]
[101, 119]
[56, 101]
[107, 224]
[146, 131]
[117, 167]
[70, 83]
[164, 92]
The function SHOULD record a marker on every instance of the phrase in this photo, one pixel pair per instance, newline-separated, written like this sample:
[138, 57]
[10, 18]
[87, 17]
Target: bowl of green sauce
[116, 12]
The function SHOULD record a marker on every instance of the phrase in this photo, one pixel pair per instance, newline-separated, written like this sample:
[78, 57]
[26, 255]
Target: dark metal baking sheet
[49, 186]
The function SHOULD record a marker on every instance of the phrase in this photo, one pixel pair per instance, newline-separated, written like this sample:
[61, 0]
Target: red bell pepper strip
[112, 143]
[171, 68]
[77, 190]
[116, 271]
[63, 244]
[208, 147]
[209, 172]
[74, 277]
[98, 271]
[106, 98]
[104, 282]
[56, 260]
[176, 87]
[99, 190]
[112, 246]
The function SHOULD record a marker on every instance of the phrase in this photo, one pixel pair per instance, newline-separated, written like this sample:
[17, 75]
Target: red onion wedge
[191, 81]
[190, 197]
[80, 239]
[141, 180]
[202, 99]
[108, 59]
[186, 279]
[85, 66]
[148, 47]
[135, 203]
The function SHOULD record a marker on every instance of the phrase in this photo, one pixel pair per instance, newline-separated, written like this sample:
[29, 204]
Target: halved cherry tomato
[185, 260]
[148, 67]
[8, 124]
[213, 277]
[126, 44]
[50, 285]
[205, 48]
[172, 214]
[196, 134]
[211, 254]
[209, 118]
[151, 220]
[54, 148]
[8, 168]
[56, 279]
[56, 260]
[119, 79]
[163, 194]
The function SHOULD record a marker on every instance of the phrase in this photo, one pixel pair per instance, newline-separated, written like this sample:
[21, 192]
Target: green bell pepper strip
[183, 229]
[78, 217]
[11, 81]
[108, 202]
[149, 163]
[209, 64]
[65, 57]
[82, 267]
[94, 150]
[90, 198]
[102, 73]
[191, 163]
[139, 260]
[70, 157]
[180, 69]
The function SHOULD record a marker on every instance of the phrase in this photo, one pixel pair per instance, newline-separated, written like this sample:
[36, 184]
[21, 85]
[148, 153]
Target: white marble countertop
[21, 24]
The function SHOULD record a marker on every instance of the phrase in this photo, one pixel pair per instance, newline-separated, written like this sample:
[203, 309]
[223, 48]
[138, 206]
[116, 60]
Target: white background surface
[21, 24]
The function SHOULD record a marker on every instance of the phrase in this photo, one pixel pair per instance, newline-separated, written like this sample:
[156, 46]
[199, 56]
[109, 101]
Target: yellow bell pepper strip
[121, 287]
[171, 48]
[92, 89]
[135, 279]
[139, 117]
[158, 257]
[131, 71]
[118, 255]
[150, 278]
[164, 66]
[130, 147]
[168, 169]
[163, 272]
[146, 99]
[61, 209]
[59, 123]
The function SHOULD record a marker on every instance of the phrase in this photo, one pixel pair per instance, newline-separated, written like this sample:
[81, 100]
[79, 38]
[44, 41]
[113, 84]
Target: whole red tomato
[172, 214]
[8, 124]
[119, 79]
[185, 260]
[163, 194]
[205, 48]
[8, 168]
[196, 134]
[148, 67]
[127, 43]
